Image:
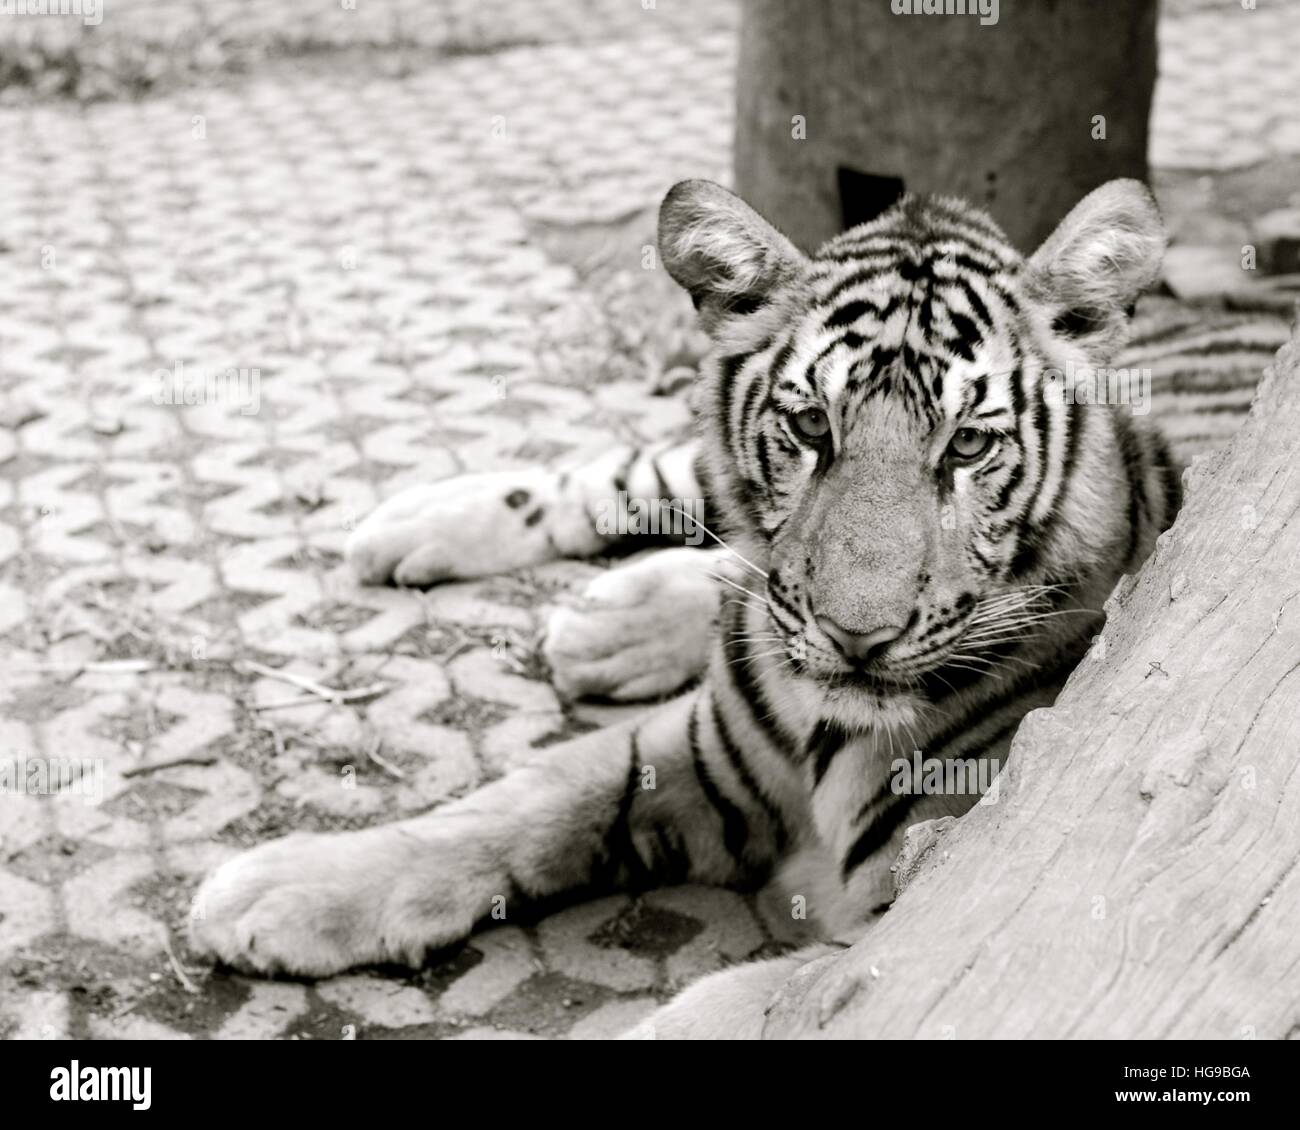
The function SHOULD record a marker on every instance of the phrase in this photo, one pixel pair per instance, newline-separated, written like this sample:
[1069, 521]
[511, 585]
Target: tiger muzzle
[868, 551]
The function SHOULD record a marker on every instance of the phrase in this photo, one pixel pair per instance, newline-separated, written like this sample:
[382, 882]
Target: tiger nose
[860, 645]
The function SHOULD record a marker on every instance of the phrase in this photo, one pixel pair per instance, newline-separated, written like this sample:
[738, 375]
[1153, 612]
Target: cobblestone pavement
[430, 271]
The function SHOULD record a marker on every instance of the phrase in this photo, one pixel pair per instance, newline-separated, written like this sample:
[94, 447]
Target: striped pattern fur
[923, 539]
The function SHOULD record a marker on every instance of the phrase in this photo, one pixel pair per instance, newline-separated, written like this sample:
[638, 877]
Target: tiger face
[883, 431]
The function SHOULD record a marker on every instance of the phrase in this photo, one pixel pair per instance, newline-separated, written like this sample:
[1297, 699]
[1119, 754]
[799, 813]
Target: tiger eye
[811, 423]
[969, 444]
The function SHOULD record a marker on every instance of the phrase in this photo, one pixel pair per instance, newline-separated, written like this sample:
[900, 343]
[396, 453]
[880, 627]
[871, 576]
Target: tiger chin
[919, 536]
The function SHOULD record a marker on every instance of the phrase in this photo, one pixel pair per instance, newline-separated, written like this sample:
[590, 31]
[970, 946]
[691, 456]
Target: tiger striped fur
[922, 542]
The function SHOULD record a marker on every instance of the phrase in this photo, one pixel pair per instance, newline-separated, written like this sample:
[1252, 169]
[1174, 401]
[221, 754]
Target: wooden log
[1006, 114]
[1139, 873]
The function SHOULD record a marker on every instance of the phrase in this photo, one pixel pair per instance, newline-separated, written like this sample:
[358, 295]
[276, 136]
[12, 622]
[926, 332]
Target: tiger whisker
[761, 655]
[981, 671]
[734, 585]
[911, 736]
[771, 637]
[995, 664]
[1032, 616]
[991, 637]
[745, 604]
[1003, 633]
[738, 557]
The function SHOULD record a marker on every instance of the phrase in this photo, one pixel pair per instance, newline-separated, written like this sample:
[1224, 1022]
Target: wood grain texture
[1137, 875]
[1001, 115]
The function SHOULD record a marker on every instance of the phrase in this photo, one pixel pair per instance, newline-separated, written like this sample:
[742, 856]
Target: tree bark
[1137, 875]
[1006, 115]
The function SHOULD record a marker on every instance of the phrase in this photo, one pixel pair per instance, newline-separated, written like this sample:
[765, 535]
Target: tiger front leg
[470, 526]
[480, 524]
[623, 808]
[644, 629]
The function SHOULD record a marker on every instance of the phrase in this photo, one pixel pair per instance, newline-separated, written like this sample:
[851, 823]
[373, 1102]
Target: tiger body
[919, 544]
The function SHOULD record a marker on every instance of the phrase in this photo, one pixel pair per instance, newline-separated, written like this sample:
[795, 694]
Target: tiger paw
[638, 631]
[466, 526]
[315, 905]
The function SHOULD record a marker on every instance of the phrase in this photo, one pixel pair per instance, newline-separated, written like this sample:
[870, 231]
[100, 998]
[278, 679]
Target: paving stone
[131, 1027]
[337, 792]
[99, 906]
[23, 821]
[224, 793]
[378, 1001]
[729, 931]
[271, 1007]
[26, 912]
[35, 1015]
[485, 1033]
[568, 949]
[508, 961]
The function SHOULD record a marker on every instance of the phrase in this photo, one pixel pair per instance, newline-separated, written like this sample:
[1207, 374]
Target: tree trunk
[1137, 875]
[1007, 115]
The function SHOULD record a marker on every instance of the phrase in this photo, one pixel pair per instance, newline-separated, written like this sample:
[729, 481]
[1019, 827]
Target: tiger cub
[922, 528]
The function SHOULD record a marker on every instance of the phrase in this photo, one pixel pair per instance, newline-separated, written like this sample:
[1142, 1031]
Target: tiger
[913, 527]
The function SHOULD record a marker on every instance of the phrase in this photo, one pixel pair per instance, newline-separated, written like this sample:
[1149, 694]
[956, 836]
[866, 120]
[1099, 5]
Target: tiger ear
[1091, 269]
[721, 251]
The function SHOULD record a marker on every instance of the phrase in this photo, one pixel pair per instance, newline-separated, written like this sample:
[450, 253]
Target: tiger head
[888, 434]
